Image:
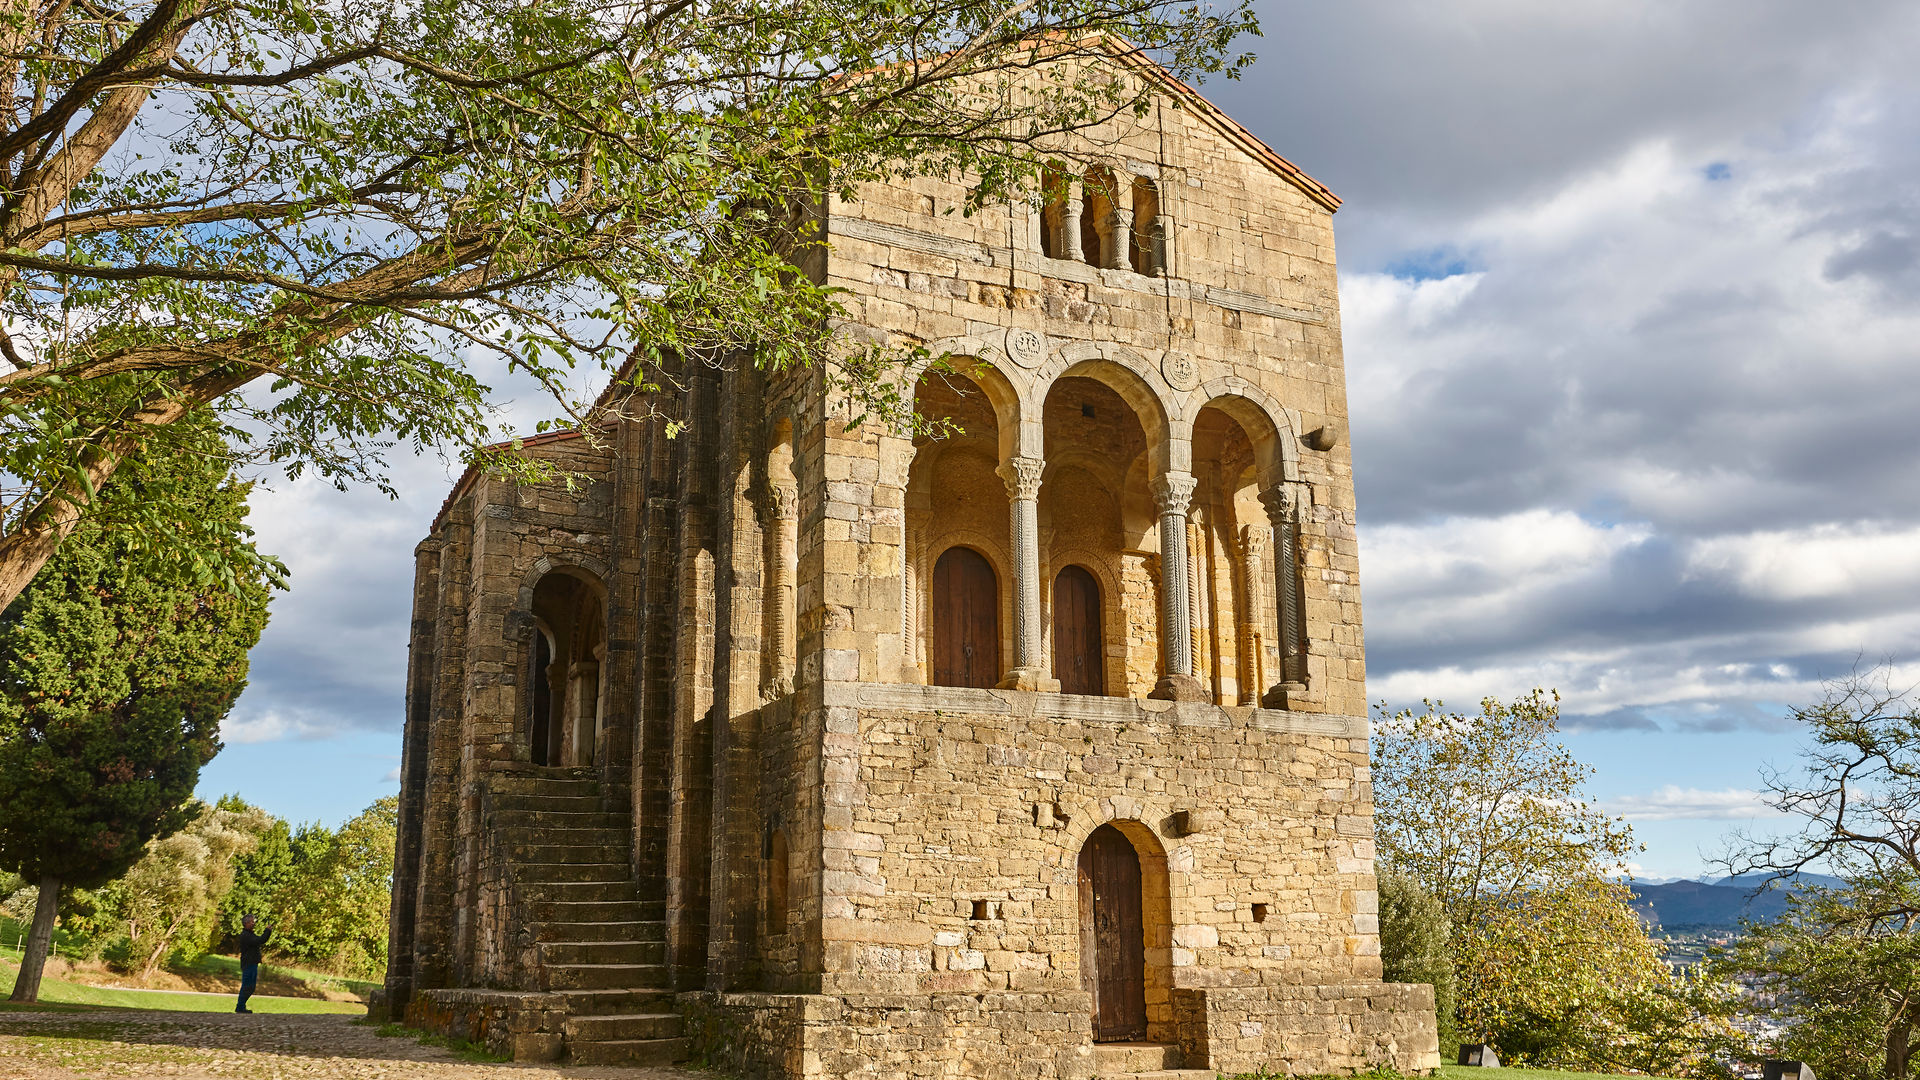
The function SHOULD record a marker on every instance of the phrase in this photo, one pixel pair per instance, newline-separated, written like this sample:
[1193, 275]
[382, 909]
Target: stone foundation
[509, 1023]
[1048, 1036]
[1308, 1030]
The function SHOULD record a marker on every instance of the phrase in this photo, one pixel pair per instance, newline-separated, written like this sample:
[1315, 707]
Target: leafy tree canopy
[1487, 814]
[340, 206]
[1474, 806]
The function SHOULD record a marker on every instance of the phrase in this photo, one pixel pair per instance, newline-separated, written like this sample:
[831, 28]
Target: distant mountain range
[1721, 902]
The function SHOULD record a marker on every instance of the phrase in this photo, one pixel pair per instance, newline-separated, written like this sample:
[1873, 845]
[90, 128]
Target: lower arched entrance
[1113, 963]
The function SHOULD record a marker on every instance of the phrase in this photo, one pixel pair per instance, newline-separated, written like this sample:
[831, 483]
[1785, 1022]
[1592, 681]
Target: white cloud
[1673, 803]
[1825, 560]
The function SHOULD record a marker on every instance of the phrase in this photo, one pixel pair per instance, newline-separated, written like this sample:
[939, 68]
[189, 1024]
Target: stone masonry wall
[1308, 1030]
[965, 795]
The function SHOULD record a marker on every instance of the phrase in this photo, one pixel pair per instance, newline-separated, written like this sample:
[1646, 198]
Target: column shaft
[1284, 506]
[1070, 210]
[1172, 494]
[1028, 671]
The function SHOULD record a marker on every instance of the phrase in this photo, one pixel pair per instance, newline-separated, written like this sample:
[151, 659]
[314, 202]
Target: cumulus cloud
[1673, 803]
[1630, 306]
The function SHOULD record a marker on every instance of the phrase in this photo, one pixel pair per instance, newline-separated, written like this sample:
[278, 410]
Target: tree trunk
[27, 986]
[1899, 1035]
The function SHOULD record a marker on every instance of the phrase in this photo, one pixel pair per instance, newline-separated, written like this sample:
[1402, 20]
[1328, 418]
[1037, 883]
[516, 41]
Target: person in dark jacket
[250, 943]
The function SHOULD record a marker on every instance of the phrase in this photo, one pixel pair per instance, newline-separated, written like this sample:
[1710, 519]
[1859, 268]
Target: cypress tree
[115, 672]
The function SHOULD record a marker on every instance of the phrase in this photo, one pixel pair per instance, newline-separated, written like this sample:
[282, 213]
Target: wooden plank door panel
[1119, 941]
[1079, 653]
[964, 622]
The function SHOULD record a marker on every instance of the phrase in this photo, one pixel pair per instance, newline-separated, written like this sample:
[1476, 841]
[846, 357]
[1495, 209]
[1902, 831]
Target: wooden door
[1113, 961]
[965, 620]
[1079, 659]
[542, 703]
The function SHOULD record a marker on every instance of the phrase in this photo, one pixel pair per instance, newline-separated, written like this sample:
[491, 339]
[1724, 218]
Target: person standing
[250, 943]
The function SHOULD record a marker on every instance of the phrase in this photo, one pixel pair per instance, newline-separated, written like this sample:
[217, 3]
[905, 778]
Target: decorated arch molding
[1274, 429]
[1000, 379]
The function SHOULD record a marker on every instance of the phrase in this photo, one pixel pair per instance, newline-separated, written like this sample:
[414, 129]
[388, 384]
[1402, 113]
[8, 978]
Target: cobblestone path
[107, 1045]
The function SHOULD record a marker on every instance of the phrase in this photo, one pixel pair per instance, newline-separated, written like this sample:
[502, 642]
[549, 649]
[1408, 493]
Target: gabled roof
[1217, 118]
[472, 473]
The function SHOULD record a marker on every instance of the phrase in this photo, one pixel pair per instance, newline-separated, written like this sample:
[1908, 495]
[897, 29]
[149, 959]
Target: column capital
[1173, 492]
[783, 501]
[1022, 475]
[1285, 503]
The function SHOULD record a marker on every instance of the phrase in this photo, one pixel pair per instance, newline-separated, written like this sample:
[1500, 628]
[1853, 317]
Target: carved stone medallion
[1181, 372]
[1026, 347]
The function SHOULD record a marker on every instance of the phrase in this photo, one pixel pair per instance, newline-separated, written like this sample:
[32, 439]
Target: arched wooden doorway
[964, 620]
[1079, 652]
[1113, 964]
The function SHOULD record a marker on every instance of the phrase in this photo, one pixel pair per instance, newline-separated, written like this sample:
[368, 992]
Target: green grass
[468, 1051]
[1474, 1072]
[320, 980]
[61, 992]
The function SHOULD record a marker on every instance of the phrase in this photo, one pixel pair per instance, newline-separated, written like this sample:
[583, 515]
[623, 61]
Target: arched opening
[1079, 633]
[1053, 212]
[956, 498]
[565, 711]
[1246, 576]
[1113, 962]
[1149, 254]
[1095, 513]
[965, 616]
[1098, 196]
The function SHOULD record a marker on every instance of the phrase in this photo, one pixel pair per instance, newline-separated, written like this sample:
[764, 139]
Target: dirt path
[223, 1046]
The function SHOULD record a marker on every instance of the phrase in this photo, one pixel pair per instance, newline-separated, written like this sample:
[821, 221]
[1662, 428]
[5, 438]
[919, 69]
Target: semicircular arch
[1272, 428]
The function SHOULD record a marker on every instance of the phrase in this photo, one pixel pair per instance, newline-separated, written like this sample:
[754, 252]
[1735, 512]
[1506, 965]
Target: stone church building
[1036, 749]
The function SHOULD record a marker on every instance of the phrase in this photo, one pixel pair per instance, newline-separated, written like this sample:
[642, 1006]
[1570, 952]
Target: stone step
[514, 817]
[603, 952]
[616, 1026]
[547, 804]
[650, 930]
[605, 976]
[608, 832]
[536, 781]
[632, 1052]
[533, 872]
[628, 999]
[526, 854]
[592, 911]
[575, 891]
[1133, 1058]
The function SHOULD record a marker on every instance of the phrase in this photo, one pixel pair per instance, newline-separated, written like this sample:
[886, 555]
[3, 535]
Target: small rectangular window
[1259, 913]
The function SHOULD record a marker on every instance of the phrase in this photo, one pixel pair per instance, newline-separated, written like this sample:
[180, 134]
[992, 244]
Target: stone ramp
[602, 950]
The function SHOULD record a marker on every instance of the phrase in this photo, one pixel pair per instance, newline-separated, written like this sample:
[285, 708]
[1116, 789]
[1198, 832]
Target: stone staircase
[1143, 1061]
[600, 948]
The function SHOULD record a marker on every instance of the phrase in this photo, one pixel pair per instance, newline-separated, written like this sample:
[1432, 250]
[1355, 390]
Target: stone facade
[752, 742]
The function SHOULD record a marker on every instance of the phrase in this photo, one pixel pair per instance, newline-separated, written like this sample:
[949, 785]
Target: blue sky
[1631, 298]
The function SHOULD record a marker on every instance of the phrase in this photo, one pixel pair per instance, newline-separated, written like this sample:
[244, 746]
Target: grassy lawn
[1474, 1072]
[60, 992]
[230, 965]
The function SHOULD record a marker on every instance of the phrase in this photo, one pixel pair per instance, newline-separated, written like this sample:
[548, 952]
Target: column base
[1178, 688]
[1031, 679]
[1287, 695]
